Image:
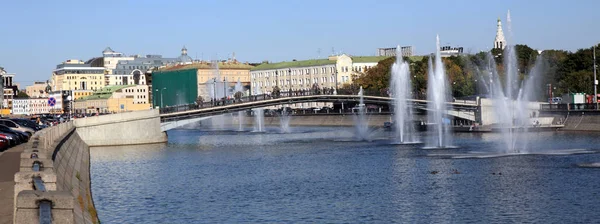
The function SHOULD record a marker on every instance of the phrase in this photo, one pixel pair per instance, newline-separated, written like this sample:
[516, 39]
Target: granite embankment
[582, 122]
[61, 159]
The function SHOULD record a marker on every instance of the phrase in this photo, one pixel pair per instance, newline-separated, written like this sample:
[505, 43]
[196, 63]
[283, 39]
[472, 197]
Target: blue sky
[37, 35]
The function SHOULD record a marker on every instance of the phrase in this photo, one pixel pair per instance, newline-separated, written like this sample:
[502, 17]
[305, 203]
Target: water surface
[320, 174]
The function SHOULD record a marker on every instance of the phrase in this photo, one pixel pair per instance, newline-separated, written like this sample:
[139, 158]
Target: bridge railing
[569, 107]
[283, 94]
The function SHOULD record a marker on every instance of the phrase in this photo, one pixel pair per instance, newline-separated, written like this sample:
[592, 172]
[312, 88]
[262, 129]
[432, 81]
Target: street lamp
[290, 84]
[161, 96]
[595, 80]
[214, 90]
[224, 89]
[336, 81]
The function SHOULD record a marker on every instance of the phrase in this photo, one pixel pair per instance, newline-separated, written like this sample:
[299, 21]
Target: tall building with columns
[499, 42]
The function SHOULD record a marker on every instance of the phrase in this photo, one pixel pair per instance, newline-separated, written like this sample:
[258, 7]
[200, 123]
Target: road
[9, 165]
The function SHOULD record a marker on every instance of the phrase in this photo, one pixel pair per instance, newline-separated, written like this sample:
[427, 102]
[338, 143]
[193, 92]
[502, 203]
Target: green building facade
[174, 87]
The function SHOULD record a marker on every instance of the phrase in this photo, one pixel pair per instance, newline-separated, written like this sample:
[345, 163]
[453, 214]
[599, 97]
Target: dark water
[320, 175]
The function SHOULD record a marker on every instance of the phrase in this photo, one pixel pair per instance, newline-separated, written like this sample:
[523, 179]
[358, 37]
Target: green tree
[22, 94]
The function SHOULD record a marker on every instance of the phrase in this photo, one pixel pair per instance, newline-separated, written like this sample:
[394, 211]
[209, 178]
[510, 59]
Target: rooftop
[294, 64]
[205, 65]
[104, 93]
[367, 59]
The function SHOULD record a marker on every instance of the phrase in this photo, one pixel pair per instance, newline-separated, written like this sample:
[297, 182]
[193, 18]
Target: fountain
[239, 88]
[401, 90]
[216, 90]
[284, 122]
[360, 122]
[512, 99]
[259, 116]
[437, 95]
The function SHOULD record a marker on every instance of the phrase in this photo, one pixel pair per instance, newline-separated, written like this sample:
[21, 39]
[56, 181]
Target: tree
[22, 94]
[238, 95]
[276, 93]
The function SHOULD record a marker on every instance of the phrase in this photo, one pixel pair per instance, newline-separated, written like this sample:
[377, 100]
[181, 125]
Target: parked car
[27, 123]
[10, 140]
[18, 138]
[13, 125]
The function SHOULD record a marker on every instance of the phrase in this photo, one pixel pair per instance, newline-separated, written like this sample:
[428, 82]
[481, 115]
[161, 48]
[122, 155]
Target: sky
[37, 35]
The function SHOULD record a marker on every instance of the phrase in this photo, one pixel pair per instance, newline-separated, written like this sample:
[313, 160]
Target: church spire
[499, 42]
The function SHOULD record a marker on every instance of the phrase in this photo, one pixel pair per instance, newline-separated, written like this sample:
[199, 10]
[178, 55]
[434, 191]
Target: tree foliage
[565, 71]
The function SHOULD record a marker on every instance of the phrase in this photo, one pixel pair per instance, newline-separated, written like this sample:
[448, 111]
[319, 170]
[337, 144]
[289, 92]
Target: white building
[499, 42]
[139, 93]
[20, 107]
[32, 106]
[406, 51]
[447, 51]
[325, 74]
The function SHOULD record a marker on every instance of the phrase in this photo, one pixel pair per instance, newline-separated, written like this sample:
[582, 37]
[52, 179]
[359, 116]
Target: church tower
[500, 42]
[183, 51]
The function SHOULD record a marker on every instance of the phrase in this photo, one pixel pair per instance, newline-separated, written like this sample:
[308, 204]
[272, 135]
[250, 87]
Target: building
[77, 94]
[9, 89]
[31, 106]
[114, 99]
[183, 83]
[20, 107]
[76, 75]
[447, 51]
[38, 90]
[325, 74]
[406, 51]
[499, 42]
[331, 73]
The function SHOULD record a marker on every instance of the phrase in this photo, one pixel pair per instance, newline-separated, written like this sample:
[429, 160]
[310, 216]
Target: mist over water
[438, 94]
[401, 90]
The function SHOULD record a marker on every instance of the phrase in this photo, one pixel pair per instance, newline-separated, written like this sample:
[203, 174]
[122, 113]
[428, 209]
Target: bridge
[175, 116]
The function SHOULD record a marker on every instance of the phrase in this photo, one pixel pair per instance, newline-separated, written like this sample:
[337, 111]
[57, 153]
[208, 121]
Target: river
[320, 174]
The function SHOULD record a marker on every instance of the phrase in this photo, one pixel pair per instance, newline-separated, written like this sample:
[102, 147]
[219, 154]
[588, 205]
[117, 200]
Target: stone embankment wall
[64, 160]
[582, 122]
[137, 127]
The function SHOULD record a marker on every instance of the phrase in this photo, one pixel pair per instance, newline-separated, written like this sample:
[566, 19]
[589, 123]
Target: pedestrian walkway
[9, 165]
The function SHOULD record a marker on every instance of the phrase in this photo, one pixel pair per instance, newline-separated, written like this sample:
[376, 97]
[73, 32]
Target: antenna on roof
[332, 51]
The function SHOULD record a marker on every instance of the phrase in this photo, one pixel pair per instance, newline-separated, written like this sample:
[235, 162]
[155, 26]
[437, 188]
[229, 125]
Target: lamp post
[224, 90]
[214, 90]
[336, 81]
[290, 84]
[161, 96]
[595, 80]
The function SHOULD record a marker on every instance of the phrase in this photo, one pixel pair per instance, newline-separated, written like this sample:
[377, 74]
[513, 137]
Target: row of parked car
[15, 131]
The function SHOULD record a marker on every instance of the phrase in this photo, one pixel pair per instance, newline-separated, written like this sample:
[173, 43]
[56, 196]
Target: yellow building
[75, 75]
[37, 90]
[78, 94]
[113, 99]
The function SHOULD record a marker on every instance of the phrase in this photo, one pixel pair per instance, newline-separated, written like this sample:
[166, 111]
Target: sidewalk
[9, 165]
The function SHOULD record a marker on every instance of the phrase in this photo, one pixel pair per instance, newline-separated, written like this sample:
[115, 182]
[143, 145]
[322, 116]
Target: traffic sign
[51, 101]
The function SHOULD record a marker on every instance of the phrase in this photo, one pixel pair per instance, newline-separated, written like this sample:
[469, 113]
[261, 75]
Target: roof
[103, 93]
[367, 59]
[107, 50]
[208, 66]
[294, 64]
[112, 89]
